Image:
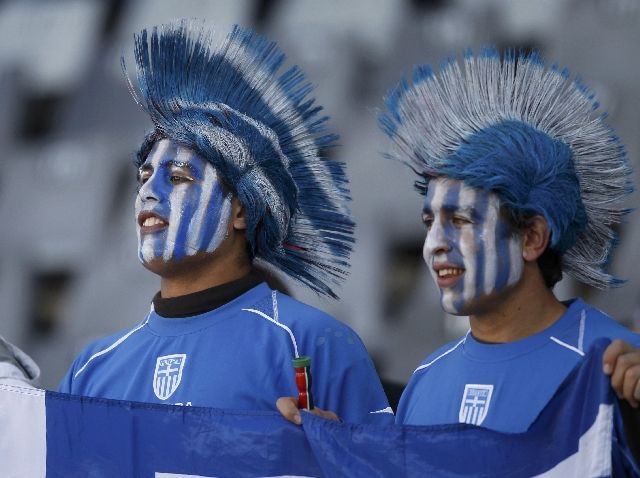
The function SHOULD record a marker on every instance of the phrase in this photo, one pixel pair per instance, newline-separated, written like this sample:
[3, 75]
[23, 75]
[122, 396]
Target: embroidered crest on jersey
[475, 403]
[168, 374]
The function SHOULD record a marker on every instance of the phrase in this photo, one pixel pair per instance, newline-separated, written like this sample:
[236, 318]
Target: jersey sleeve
[360, 397]
[346, 382]
[66, 384]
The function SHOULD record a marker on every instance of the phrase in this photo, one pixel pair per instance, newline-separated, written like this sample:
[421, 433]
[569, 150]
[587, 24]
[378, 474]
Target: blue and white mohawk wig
[262, 132]
[526, 132]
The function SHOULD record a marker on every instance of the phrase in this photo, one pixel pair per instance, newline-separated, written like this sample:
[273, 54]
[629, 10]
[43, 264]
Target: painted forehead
[168, 152]
[455, 195]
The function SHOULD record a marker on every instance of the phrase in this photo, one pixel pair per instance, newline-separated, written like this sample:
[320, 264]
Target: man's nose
[436, 241]
[147, 191]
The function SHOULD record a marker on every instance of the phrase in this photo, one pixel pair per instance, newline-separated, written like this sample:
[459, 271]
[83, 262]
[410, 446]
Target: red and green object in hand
[302, 365]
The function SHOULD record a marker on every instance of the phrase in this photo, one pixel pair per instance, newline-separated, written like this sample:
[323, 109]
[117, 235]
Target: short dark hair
[550, 262]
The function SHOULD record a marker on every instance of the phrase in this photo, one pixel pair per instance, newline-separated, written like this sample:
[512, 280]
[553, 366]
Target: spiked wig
[526, 132]
[262, 132]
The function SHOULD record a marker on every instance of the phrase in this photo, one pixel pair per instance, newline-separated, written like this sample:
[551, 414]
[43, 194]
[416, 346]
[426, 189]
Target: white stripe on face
[516, 260]
[435, 236]
[177, 201]
[490, 255]
[468, 246]
[225, 217]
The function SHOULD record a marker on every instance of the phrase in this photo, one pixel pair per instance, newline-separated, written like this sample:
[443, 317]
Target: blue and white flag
[47, 434]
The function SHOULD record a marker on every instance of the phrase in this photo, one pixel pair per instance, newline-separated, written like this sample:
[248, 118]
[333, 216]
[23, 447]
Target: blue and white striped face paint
[180, 208]
[469, 249]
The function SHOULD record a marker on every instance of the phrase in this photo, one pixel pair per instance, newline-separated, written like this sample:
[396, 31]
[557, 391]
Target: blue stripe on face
[452, 199]
[184, 242]
[213, 216]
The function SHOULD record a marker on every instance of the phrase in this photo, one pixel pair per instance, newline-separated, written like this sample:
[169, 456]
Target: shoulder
[306, 319]
[291, 308]
[598, 324]
[319, 334]
[103, 346]
[440, 356]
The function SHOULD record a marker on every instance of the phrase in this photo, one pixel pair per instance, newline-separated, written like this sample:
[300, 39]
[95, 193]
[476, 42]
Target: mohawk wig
[264, 135]
[525, 132]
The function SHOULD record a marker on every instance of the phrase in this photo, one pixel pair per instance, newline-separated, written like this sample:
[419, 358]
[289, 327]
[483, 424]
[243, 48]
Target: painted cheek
[181, 238]
[213, 214]
[508, 262]
[469, 245]
[492, 253]
[219, 217]
[484, 240]
[517, 261]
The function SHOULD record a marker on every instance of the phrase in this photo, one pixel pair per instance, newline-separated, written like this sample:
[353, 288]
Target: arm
[16, 367]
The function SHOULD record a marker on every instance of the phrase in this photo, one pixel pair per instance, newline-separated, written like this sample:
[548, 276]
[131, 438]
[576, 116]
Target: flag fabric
[47, 434]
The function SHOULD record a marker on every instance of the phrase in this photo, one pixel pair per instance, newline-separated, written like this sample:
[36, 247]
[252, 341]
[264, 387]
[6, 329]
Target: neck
[198, 281]
[528, 308]
[204, 271]
[200, 278]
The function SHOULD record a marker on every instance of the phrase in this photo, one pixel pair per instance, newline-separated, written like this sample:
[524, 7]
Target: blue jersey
[504, 386]
[237, 356]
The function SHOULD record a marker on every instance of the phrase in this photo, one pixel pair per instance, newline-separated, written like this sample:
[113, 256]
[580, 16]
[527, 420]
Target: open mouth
[150, 222]
[447, 275]
[450, 272]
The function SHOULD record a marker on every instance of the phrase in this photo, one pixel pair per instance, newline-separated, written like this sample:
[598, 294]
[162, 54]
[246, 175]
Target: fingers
[622, 361]
[325, 414]
[615, 348]
[631, 385]
[288, 407]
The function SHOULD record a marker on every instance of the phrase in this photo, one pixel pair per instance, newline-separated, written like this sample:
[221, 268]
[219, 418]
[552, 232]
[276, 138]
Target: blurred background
[68, 129]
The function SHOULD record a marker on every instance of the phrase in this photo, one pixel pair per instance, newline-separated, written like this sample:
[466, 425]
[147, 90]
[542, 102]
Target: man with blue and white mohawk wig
[522, 180]
[264, 136]
[233, 174]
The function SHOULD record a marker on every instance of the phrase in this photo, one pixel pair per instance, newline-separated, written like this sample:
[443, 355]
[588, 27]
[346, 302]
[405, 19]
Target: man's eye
[143, 178]
[427, 221]
[175, 179]
[460, 221]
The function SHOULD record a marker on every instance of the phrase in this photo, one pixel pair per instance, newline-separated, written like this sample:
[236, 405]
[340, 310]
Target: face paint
[180, 207]
[469, 248]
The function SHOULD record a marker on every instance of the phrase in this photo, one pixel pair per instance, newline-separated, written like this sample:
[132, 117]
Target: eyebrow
[171, 162]
[452, 208]
[179, 164]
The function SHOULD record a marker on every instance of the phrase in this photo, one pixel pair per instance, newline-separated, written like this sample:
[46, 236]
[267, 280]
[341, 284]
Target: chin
[473, 307]
[174, 267]
[479, 305]
[159, 266]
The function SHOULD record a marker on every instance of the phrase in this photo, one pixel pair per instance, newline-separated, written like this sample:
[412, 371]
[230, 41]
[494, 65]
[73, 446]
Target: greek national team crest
[168, 374]
[475, 403]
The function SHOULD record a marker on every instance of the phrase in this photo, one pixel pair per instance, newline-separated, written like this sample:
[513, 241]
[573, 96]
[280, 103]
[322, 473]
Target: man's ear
[238, 218]
[535, 239]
